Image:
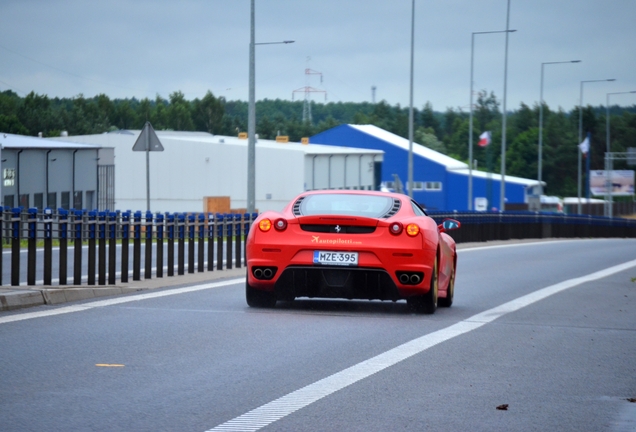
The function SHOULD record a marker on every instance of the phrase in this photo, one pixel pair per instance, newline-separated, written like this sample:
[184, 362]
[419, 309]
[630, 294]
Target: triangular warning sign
[147, 140]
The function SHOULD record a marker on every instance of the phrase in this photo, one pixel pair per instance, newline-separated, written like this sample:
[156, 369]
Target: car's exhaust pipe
[410, 277]
[267, 273]
[258, 273]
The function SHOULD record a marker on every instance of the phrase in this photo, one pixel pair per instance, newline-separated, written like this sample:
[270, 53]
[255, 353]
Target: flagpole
[588, 156]
[578, 183]
[410, 158]
[470, 123]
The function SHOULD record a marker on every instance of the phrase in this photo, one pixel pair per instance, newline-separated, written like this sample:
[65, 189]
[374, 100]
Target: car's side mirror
[448, 225]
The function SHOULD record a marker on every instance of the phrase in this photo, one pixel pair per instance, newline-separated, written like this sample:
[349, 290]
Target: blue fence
[102, 248]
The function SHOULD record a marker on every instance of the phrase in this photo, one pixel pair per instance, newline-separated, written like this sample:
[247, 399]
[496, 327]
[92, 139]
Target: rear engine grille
[338, 229]
[296, 208]
[396, 207]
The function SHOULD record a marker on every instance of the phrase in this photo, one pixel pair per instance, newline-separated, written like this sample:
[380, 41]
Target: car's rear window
[346, 204]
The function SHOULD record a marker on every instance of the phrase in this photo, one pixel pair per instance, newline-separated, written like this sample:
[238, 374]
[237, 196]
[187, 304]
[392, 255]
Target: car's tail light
[265, 225]
[396, 228]
[412, 229]
[280, 224]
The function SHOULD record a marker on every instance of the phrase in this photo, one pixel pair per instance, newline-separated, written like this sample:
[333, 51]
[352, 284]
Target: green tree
[522, 159]
[179, 115]
[35, 113]
[11, 124]
[429, 119]
[208, 114]
[427, 138]
[124, 116]
[159, 116]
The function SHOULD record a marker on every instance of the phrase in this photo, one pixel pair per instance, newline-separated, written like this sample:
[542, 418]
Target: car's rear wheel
[426, 303]
[450, 293]
[259, 299]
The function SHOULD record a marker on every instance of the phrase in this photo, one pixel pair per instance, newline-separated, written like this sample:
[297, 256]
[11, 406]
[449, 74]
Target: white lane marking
[119, 300]
[279, 408]
[529, 243]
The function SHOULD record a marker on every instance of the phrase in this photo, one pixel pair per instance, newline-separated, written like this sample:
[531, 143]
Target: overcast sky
[143, 48]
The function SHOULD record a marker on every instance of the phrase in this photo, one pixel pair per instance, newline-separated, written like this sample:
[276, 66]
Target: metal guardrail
[99, 242]
[488, 226]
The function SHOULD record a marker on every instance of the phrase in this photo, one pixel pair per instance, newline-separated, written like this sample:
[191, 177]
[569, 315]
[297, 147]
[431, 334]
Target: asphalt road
[547, 328]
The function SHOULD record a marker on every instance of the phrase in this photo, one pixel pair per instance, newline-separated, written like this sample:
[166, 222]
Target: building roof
[497, 177]
[206, 138]
[403, 143]
[451, 164]
[11, 141]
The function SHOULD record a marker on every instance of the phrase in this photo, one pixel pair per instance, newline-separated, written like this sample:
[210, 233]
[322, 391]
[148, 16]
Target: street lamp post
[502, 191]
[540, 158]
[410, 160]
[608, 183]
[470, 124]
[581, 137]
[251, 117]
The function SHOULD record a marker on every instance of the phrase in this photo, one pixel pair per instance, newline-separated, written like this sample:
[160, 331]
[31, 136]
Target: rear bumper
[334, 282]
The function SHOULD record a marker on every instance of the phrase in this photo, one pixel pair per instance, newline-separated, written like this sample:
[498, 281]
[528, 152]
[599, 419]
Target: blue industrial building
[439, 181]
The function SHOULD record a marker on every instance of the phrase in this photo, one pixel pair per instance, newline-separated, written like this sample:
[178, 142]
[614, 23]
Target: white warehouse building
[195, 165]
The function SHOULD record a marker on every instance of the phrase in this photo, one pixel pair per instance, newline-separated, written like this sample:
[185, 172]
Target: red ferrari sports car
[351, 244]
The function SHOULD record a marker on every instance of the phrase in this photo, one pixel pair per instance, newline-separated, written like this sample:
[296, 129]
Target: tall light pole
[540, 158]
[608, 183]
[410, 161]
[251, 124]
[502, 197]
[470, 124]
[581, 137]
[251, 118]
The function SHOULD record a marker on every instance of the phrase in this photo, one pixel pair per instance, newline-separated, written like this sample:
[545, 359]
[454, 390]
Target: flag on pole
[484, 139]
[585, 146]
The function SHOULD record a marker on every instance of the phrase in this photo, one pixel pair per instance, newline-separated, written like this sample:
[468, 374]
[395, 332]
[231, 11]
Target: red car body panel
[293, 247]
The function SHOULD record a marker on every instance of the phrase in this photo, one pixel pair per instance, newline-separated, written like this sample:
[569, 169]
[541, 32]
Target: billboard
[621, 181]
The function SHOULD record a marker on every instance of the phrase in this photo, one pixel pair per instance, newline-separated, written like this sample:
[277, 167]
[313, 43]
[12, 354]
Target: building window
[8, 201]
[77, 200]
[24, 200]
[433, 186]
[66, 200]
[90, 200]
[106, 187]
[38, 200]
[51, 200]
[418, 185]
[8, 176]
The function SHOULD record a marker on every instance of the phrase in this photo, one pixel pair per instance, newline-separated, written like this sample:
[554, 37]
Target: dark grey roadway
[191, 361]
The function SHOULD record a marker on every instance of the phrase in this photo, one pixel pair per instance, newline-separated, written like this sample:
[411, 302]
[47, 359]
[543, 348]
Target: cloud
[143, 48]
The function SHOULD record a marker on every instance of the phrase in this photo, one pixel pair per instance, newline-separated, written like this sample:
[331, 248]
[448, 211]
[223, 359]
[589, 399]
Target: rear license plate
[336, 258]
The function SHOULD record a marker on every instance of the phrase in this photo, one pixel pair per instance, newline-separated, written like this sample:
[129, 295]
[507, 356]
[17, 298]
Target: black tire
[427, 303]
[450, 293]
[259, 299]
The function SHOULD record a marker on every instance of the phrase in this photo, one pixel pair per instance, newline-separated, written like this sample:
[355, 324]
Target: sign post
[147, 141]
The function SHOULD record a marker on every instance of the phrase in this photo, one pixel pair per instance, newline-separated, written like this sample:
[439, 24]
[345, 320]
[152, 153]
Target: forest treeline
[446, 132]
